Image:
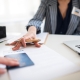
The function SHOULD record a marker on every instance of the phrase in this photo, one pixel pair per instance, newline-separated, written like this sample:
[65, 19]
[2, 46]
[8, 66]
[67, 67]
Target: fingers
[37, 44]
[19, 43]
[13, 43]
[23, 42]
[2, 71]
[8, 61]
[17, 46]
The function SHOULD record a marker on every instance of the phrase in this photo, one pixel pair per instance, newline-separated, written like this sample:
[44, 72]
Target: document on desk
[48, 65]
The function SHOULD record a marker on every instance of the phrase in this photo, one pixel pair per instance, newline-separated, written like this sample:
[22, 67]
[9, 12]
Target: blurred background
[15, 14]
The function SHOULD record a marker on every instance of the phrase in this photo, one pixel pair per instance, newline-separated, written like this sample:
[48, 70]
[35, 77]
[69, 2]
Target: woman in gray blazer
[58, 20]
[49, 9]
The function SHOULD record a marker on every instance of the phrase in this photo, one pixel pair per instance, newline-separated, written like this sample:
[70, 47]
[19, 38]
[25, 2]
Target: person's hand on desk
[29, 37]
[9, 62]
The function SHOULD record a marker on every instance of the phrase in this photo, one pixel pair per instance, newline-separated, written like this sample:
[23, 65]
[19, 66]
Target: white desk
[56, 42]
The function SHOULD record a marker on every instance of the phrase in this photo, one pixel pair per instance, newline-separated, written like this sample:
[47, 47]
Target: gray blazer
[48, 10]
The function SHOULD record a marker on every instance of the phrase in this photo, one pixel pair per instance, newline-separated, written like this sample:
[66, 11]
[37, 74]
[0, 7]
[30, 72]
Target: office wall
[15, 14]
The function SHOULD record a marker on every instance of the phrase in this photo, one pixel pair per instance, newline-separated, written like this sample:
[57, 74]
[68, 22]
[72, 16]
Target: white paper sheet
[48, 65]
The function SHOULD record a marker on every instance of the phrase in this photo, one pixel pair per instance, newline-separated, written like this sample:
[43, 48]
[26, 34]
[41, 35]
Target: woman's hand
[8, 62]
[31, 35]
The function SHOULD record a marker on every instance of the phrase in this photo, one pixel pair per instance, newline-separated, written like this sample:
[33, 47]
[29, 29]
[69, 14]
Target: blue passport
[23, 60]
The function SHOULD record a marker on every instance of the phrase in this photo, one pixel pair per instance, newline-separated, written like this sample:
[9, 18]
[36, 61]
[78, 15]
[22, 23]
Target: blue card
[23, 59]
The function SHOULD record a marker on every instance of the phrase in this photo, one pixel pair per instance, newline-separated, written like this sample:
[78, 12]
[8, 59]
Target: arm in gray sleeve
[38, 17]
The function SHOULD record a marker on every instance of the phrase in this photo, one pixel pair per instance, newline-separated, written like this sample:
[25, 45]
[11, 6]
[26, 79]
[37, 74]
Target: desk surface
[56, 42]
